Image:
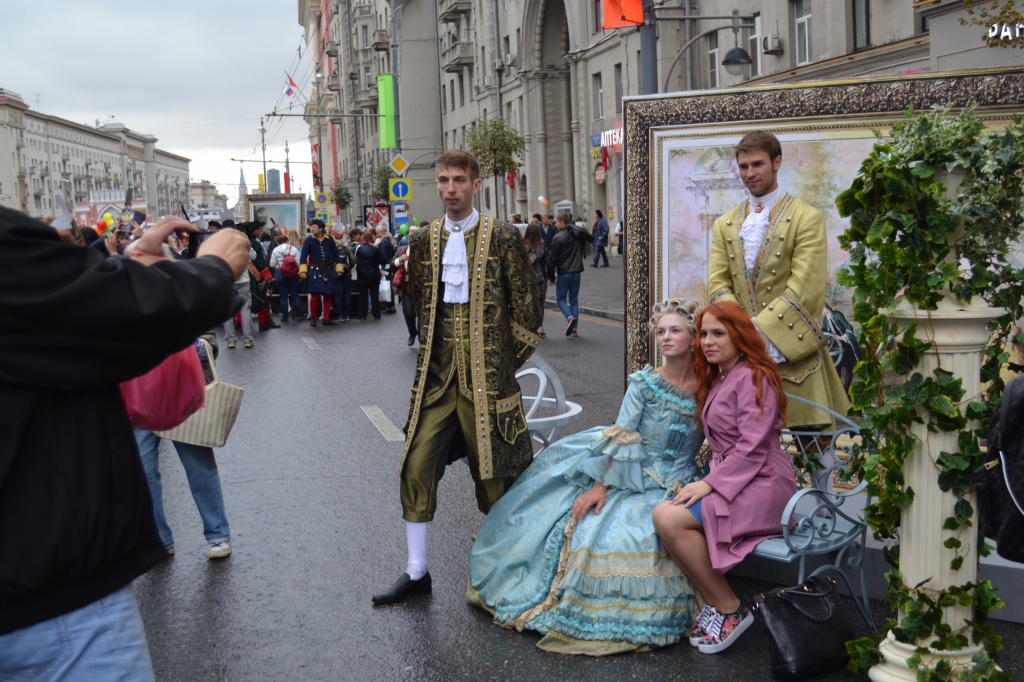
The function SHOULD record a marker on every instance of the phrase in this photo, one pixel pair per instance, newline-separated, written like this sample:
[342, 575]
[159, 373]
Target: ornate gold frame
[875, 101]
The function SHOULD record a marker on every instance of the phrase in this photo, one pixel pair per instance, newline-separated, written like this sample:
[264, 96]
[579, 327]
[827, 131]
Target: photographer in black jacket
[76, 519]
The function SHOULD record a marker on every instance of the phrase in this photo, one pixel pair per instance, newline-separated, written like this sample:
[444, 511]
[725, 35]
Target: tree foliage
[496, 146]
[381, 186]
[341, 196]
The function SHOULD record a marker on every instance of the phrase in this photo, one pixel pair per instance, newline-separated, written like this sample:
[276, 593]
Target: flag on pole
[510, 179]
[619, 13]
[604, 157]
[290, 87]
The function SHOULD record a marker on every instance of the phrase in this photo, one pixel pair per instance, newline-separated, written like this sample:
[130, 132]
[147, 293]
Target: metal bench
[820, 521]
[548, 413]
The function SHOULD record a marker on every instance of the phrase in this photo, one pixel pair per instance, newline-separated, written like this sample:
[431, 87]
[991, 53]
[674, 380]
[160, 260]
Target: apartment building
[42, 156]
[551, 70]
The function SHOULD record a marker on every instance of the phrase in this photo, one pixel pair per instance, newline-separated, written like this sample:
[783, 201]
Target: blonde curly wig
[686, 308]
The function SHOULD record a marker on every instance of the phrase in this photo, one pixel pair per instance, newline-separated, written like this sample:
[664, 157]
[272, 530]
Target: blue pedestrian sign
[400, 189]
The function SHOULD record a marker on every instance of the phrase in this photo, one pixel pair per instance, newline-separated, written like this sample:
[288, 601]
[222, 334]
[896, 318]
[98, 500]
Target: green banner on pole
[386, 107]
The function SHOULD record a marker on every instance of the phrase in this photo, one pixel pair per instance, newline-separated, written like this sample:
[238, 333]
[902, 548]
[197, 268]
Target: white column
[957, 331]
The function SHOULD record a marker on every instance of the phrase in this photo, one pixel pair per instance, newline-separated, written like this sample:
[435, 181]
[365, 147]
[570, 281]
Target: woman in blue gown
[570, 550]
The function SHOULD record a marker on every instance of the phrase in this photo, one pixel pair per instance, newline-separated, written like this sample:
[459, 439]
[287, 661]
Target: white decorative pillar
[958, 334]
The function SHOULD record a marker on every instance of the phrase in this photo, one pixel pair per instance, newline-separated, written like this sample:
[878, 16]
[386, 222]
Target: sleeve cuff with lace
[612, 472]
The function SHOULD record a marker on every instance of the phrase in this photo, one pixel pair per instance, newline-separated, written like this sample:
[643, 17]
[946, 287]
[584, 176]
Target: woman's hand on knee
[592, 499]
[691, 492]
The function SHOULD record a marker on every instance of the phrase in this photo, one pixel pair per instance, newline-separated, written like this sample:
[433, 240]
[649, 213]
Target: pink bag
[168, 394]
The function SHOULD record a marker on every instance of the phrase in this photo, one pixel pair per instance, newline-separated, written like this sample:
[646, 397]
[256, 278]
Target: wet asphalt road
[311, 490]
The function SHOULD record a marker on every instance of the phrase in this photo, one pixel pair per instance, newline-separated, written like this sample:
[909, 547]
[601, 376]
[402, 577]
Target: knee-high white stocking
[416, 542]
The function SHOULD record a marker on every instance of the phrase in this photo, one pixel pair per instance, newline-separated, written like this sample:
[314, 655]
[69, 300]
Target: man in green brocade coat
[475, 293]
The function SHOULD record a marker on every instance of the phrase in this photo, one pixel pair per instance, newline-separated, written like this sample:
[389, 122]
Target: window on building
[861, 24]
[754, 47]
[598, 97]
[451, 92]
[713, 60]
[487, 197]
[462, 91]
[618, 88]
[804, 49]
[366, 35]
[444, 99]
[598, 15]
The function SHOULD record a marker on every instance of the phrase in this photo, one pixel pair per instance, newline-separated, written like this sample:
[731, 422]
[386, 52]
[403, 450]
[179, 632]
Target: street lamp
[319, 143]
[736, 59]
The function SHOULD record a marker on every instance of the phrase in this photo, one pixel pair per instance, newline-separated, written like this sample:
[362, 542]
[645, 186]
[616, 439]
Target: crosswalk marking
[386, 427]
[313, 345]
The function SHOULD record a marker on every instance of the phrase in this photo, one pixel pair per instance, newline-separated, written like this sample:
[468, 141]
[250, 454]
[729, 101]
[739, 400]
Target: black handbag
[806, 630]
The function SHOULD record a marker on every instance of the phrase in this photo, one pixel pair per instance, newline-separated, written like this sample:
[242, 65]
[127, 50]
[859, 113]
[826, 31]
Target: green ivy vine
[902, 228]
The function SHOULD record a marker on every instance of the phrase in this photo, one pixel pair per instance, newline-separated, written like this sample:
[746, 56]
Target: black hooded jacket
[76, 518]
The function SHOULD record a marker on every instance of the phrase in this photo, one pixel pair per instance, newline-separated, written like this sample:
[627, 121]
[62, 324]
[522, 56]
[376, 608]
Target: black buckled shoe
[403, 588]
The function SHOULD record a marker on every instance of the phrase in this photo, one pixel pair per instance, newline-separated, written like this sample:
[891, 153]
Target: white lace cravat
[454, 263]
[756, 224]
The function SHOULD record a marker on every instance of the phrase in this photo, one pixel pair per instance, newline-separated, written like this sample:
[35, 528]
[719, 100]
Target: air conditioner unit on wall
[510, 60]
[487, 82]
[497, 65]
[771, 44]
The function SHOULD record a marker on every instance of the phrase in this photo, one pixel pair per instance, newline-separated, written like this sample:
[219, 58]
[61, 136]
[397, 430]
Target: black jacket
[76, 518]
[566, 255]
[368, 262]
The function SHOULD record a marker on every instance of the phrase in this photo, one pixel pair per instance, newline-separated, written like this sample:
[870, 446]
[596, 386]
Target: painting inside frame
[681, 172]
[281, 210]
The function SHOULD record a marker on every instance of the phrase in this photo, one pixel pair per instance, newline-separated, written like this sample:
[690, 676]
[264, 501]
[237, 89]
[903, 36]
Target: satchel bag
[806, 630]
[166, 395]
[211, 425]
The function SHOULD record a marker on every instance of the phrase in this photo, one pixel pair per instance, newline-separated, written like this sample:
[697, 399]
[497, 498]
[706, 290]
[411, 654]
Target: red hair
[750, 343]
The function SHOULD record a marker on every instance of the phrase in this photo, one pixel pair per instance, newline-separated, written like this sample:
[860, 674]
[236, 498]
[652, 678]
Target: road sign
[400, 189]
[401, 212]
[399, 164]
[324, 216]
[321, 198]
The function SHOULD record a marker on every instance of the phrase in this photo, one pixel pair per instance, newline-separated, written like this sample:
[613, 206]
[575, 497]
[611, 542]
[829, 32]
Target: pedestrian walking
[600, 233]
[565, 263]
[284, 263]
[368, 275]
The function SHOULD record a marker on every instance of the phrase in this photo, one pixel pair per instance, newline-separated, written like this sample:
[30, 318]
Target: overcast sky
[196, 74]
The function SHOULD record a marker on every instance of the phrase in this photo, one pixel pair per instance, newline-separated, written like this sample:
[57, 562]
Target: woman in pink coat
[712, 524]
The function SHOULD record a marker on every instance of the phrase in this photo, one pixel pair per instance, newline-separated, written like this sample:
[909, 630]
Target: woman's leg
[683, 537]
[204, 482]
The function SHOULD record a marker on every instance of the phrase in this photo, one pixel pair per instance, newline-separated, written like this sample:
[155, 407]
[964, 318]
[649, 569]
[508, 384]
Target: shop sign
[600, 174]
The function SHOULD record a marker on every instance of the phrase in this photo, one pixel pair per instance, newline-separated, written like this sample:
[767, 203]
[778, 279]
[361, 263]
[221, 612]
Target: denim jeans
[288, 289]
[567, 292]
[203, 479]
[599, 253]
[104, 640]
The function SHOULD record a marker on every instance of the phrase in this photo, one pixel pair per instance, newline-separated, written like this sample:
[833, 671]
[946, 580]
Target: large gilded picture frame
[681, 173]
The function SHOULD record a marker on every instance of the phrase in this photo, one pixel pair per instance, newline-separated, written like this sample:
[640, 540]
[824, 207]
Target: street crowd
[613, 539]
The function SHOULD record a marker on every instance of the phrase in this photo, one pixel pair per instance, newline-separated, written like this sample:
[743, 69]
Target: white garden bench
[825, 522]
[548, 413]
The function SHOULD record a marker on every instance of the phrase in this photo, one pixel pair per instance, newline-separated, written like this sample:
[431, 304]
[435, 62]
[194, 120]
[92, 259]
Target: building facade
[557, 77]
[42, 156]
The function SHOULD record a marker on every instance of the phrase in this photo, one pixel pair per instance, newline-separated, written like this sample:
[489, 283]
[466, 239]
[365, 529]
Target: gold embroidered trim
[525, 336]
[621, 436]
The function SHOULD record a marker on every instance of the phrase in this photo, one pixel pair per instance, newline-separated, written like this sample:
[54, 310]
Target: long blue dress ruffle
[602, 585]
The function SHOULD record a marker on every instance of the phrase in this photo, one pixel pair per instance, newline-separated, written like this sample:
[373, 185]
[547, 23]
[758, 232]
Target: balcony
[381, 42]
[331, 48]
[365, 55]
[334, 83]
[367, 96]
[457, 56]
[449, 11]
[362, 11]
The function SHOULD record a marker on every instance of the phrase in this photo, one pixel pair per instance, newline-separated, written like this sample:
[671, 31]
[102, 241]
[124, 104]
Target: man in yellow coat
[475, 293]
[769, 254]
